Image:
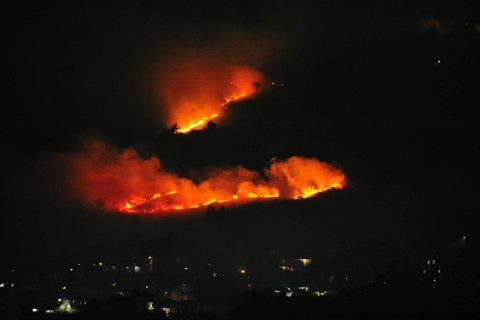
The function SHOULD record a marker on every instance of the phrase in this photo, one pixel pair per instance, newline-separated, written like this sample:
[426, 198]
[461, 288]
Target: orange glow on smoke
[307, 177]
[197, 90]
[122, 181]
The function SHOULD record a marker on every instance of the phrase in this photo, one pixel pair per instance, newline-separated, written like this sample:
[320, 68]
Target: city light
[167, 311]
[165, 129]
[305, 261]
[287, 268]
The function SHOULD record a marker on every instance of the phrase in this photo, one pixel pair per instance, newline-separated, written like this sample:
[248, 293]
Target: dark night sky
[363, 90]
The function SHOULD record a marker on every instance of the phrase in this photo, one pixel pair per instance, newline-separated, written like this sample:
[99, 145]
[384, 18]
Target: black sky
[364, 90]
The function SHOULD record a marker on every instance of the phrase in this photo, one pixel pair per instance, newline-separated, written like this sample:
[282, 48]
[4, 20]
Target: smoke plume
[120, 180]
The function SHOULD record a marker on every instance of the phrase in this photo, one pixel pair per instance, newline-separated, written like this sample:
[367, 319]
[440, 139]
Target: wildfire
[122, 181]
[205, 120]
[195, 91]
[310, 191]
[196, 124]
[239, 96]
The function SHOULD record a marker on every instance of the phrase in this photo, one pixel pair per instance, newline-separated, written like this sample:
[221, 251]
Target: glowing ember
[122, 181]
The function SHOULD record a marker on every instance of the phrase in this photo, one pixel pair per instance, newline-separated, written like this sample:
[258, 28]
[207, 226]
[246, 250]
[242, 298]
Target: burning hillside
[123, 181]
[195, 86]
[197, 90]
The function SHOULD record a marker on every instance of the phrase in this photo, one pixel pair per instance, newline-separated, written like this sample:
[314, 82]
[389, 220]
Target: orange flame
[307, 177]
[196, 91]
[196, 124]
[122, 181]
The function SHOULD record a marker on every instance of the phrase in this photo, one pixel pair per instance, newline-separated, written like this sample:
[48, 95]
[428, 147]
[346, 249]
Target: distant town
[180, 287]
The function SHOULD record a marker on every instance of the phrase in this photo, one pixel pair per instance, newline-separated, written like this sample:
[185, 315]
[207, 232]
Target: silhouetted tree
[211, 126]
[173, 129]
[210, 210]
[257, 85]
[221, 212]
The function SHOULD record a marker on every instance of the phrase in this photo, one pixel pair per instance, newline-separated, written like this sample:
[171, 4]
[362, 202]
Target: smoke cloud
[119, 180]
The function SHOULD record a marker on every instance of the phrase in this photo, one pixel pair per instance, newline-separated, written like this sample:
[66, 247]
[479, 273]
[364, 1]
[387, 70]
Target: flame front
[195, 91]
[122, 181]
[196, 124]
